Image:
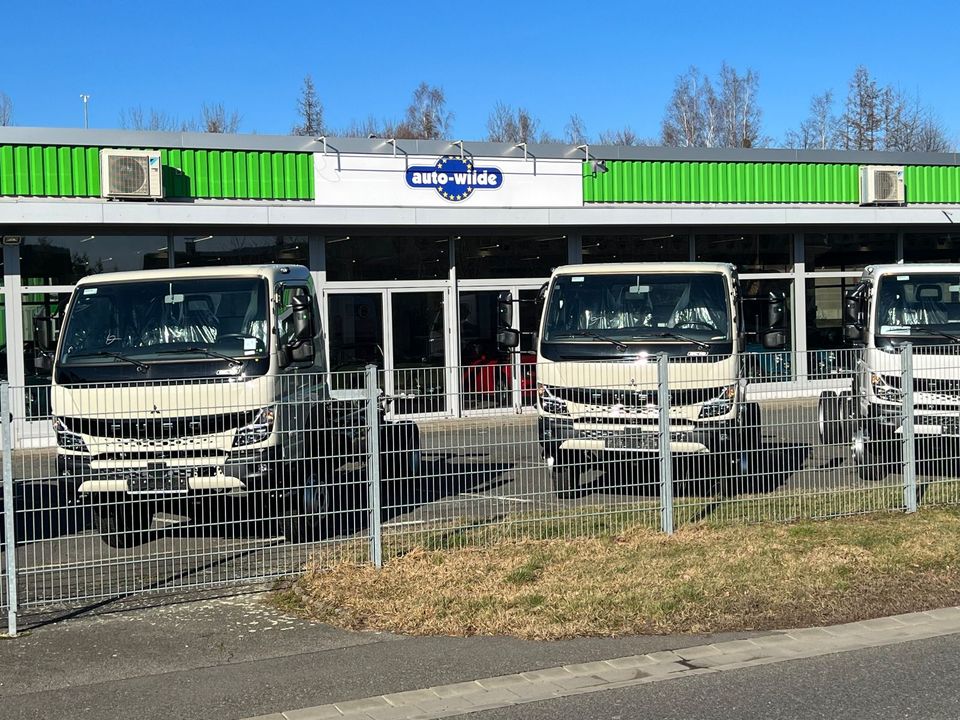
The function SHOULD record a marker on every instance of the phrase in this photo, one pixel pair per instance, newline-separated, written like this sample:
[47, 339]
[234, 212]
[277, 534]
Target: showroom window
[510, 256]
[204, 249]
[652, 245]
[386, 257]
[64, 259]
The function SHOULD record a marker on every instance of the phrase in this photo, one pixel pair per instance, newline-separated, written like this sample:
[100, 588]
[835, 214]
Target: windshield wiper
[597, 336]
[209, 353]
[699, 343]
[142, 367]
[936, 333]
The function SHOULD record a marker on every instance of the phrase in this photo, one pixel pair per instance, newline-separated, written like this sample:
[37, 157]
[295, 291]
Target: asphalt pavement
[236, 658]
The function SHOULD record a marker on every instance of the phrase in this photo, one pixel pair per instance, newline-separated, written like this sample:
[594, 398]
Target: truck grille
[159, 428]
[633, 400]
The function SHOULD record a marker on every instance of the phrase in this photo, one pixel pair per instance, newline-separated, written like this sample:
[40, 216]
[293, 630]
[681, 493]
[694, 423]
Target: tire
[566, 477]
[400, 458]
[831, 424]
[122, 522]
[873, 457]
[307, 506]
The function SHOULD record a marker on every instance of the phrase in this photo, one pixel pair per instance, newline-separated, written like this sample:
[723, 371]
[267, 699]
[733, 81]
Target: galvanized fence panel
[171, 486]
[177, 485]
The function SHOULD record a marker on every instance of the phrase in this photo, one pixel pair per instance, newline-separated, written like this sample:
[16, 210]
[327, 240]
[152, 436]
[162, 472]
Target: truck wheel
[400, 450]
[873, 457]
[566, 477]
[831, 424]
[306, 512]
[122, 522]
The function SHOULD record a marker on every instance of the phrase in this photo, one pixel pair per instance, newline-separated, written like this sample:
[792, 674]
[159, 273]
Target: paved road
[477, 470]
[912, 680]
[235, 658]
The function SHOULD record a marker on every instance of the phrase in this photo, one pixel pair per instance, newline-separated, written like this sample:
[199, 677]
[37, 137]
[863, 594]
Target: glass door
[418, 351]
[404, 333]
[356, 332]
[491, 377]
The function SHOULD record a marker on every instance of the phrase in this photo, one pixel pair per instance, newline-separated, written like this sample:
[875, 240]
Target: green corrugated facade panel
[61, 171]
[651, 181]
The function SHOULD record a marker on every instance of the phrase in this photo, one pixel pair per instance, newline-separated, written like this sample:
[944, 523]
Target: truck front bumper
[238, 472]
[632, 441]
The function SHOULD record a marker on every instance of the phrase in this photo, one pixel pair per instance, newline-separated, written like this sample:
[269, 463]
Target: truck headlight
[257, 431]
[722, 404]
[885, 387]
[549, 402]
[67, 439]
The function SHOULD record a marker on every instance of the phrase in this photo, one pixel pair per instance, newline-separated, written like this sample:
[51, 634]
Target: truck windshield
[638, 307]
[912, 303]
[162, 321]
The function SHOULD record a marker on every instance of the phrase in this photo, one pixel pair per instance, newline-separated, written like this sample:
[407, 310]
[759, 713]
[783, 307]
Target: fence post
[666, 458]
[909, 453]
[9, 520]
[373, 465]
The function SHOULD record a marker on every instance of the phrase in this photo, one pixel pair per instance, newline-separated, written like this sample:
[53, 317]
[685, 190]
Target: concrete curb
[562, 681]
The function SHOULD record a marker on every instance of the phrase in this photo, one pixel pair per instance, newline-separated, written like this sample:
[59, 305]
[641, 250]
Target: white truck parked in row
[602, 329]
[891, 306]
[172, 387]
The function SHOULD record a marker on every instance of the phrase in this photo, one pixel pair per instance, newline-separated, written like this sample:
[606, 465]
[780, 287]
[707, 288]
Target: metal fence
[171, 485]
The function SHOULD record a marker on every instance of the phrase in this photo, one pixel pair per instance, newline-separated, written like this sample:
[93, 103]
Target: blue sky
[614, 63]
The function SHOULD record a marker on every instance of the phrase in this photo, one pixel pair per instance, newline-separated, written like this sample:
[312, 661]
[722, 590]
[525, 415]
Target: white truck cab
[893, 305]
[602, 329]
[186, 384]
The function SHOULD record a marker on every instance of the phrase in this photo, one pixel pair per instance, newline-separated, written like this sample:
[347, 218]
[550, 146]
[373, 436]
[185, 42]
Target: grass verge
[702, 579]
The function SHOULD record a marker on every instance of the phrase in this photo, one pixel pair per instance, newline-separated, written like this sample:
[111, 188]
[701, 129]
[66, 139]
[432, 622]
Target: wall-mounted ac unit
[881, 185]
[131, 174]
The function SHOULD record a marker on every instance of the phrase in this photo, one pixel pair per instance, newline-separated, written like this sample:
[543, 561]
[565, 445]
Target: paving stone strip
[556, 682]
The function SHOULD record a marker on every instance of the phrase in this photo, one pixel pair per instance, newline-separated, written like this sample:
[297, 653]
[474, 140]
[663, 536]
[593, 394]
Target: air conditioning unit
[881, 185]
[131, 174]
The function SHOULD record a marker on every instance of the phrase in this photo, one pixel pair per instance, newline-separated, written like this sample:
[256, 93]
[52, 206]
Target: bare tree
[6, 110]
[879, 117]
[739, 109]
[517, 126]
[134, 118]
[215, 119]
[693, 115]
[702, 113]
[427, 116]
[819, 131]
[575, 131]
[310, 110]
[861, 125]
[624, 136]
[909, 126]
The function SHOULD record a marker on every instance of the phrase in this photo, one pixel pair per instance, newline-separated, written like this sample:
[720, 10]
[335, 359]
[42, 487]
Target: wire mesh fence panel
[165, 485]
[174, 485]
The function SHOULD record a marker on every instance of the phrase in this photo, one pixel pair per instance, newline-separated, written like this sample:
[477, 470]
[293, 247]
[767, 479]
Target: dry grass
[702, 579]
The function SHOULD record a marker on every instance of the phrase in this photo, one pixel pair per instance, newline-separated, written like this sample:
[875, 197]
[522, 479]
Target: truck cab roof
[875, 271]
[646, 267]
[274, 273]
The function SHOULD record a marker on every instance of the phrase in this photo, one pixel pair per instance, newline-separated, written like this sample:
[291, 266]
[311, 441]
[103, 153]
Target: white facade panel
[378, 180]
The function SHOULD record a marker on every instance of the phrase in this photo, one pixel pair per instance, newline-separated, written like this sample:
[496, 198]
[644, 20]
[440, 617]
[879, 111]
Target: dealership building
[411, 242]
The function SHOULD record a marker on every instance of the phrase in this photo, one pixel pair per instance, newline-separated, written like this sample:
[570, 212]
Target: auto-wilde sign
[454, 178]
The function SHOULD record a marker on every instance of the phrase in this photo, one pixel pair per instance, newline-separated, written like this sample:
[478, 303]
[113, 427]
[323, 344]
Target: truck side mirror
[852, 332]
[853, 315]
[852, 309]
[504, 310]
[44, 334]
[302, 317]
[776, 310]
[774, 340]
[507, 338]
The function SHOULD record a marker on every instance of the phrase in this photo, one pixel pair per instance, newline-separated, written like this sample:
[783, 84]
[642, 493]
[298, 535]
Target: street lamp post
[86, 123]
